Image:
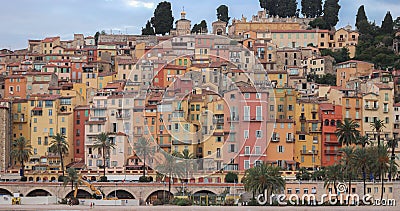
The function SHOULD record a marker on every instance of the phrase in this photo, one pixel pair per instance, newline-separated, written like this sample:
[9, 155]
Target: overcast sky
[35, 19]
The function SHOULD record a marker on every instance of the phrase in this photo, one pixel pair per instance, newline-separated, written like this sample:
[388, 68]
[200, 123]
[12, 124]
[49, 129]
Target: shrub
[103, 179]
[181, 202]
[61, 178]
[229, 202]
[231, 177]
[157, 202]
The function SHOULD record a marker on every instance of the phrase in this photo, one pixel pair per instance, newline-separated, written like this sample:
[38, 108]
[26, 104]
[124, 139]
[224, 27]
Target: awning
[10, 177]
[123, 177]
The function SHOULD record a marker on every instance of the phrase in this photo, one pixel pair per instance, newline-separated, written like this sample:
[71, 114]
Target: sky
[36, 19]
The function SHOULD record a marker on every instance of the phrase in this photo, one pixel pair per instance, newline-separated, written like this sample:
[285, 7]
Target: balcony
[275, 139]
[233, 119]
[367, 107]
[309, 152]
[331, 152]
[314, 130]
[302, 118]
[348, 106]
[358, 107]
[123, 116]
[253, 118]
[332, 143]
[341, 39]
[218, 121]
[181, 142]
[290, 140]
[315, 141]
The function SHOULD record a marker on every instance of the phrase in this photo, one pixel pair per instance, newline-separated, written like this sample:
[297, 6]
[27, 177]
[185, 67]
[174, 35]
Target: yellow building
[49, 43]
[281, 144]
[378, 105]
[21, 118]
[308, 133]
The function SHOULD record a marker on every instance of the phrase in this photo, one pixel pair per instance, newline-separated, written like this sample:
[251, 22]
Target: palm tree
[333, 176]
[104, 143]
[363, 141]
[378, 126]
[348, 163]
[263, 177]
[382, 163]
[189, 161]
[362, 159]
[347, 132]
[393, 144]
[74, 178]
[21, 151]
[59, 146]
[143, 149]
[171, 167]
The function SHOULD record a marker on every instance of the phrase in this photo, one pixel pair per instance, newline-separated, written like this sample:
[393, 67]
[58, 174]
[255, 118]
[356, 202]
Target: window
[246, 134]
[259, 134]
[247, 150]
[257, 150]
[246, 164]
[281, 149]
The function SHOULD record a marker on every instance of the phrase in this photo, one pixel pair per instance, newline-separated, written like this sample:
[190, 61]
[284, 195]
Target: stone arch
[82, 194]
[39, 192]
[38, 179]
[30, 179]
[45, 179]
[205, 192]
[53, 179]
[4, 191]
[158, 194]
[121, 194]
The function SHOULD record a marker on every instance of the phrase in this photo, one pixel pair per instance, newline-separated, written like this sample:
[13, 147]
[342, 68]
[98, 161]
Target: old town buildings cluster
[234, 100]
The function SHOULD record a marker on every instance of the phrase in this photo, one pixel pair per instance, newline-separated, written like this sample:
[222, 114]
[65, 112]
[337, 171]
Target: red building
[331, 115]
[81, 115]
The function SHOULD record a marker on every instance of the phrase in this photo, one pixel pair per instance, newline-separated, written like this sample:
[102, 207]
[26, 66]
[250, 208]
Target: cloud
[140, 4]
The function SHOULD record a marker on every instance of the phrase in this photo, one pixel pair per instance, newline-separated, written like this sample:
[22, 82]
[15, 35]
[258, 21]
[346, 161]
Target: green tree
[363, 141]
[318, 23]
[104, 143]
[21, 150]
[143, 148]
[97, 35]
[347, 132]
[231, 177]
[348, 163]
[311, 8]
[223, 13]
[189, 161]
[303, 174]
[362, 159]
[263, 177]
[328, 79]
[333, 175]
[270, 5]
[331, 12]
[387, 24]
[362, 23]
[200, 28]
[148, 30]
[382, 163]
[392, 144]
[171, 167]
[59, 145]
[340, 55]
[378, 126]
[74, 179]
[163, 20]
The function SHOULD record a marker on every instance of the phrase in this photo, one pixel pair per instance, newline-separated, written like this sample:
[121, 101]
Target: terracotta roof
[327, 107]
[175, 67]
[383, 86]
[50, 39]
[299, 31]
[354, 61]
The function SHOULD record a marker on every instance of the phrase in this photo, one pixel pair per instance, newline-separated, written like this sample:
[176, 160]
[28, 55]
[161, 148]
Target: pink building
[246, 128]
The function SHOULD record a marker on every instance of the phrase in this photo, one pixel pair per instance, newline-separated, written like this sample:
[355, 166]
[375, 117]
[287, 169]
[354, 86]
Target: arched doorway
[53, 179]
[205, 198]
[5, 192]
[93, 178]
[30, 179]
[38, 179]
[82, 194]
[159, 194]
[45, 179]
[120, 194]
[38, 192]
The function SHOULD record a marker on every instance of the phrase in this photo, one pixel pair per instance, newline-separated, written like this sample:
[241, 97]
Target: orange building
[346, 71]
[167, 75]
[15, 86]
[331, 115]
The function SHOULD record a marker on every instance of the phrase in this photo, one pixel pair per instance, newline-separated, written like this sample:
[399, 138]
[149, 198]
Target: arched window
[326, 123]
[332, 122]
